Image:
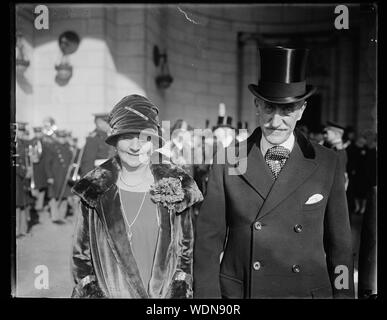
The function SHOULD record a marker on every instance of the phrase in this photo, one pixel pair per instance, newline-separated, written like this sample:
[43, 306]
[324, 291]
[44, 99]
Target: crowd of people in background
[50, 161]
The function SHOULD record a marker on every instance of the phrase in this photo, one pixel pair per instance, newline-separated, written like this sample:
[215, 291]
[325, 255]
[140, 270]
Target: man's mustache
[272, 128]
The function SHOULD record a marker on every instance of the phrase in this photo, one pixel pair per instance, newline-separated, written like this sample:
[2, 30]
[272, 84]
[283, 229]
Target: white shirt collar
[266, 145]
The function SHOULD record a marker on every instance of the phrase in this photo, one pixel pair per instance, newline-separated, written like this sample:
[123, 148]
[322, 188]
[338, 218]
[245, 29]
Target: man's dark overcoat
[277, 245]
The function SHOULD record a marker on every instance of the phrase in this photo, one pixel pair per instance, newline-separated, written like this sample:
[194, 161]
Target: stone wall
[115, 58]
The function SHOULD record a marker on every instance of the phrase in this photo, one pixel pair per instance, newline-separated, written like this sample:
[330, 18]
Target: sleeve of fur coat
[181, 286]
[81, 264]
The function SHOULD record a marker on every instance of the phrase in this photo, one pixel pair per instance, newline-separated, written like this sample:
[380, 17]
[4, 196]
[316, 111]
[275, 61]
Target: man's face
[278, 121]
[330, 135]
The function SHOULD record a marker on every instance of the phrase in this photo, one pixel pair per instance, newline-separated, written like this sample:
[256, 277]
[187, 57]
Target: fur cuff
[87, 288]
[181, 287]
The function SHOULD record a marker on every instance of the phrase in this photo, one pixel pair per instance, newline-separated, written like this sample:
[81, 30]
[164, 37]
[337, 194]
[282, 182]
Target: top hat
[133, 114]
[282, 77]
[181, 124]
[228, 124]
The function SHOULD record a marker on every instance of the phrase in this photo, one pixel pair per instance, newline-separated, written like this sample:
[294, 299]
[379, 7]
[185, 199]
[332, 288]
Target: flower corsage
[168, 192]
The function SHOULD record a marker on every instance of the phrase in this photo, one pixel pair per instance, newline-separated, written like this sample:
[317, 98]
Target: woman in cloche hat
[134, 238]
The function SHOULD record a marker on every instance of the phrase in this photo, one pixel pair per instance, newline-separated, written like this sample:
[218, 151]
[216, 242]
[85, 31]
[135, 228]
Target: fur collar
[101, 179]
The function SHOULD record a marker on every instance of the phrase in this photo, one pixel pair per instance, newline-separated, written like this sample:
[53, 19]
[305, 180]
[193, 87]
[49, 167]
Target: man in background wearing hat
[333, 139]
[283, 224]
[225, 132]
[96, 150]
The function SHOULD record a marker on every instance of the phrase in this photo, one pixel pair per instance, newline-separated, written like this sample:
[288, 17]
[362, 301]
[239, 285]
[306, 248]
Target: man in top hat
[316, 134]
[243, 131]
[224, 132]
[96, 151]
[282, 225]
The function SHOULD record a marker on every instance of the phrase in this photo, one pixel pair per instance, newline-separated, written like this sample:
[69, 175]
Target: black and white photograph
[194, 151]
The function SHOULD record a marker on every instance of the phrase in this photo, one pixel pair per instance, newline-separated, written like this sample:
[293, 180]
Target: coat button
[258, 225]
[257, 265]
[296, 268]
[298, 228]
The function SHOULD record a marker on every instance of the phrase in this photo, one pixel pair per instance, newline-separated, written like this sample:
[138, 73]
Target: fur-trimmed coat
[103, 264]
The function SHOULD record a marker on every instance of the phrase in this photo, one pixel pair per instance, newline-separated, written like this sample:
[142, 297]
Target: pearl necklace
[130, 185]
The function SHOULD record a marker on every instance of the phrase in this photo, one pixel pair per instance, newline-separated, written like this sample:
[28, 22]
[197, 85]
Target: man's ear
[256, 103]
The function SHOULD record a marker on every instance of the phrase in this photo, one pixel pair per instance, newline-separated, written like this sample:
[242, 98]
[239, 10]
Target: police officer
[40, 177]
[96, 150]
[22, 181]
[57, 165]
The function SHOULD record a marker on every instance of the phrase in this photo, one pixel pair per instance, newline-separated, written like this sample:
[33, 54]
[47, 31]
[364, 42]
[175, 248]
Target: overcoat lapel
[118, 239]
[296, 170]
[258, 174]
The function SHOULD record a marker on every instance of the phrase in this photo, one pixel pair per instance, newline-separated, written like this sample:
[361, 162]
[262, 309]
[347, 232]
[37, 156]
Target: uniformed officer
[57, 166]
[49, 127]
[73, 200]
[96, 150]
[39, 149]
[22, 181]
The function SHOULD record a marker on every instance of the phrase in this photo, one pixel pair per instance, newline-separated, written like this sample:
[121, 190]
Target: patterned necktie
[275, 158]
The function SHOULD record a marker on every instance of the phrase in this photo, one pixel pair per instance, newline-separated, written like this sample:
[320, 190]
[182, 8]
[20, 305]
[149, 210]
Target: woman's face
[134, 150]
